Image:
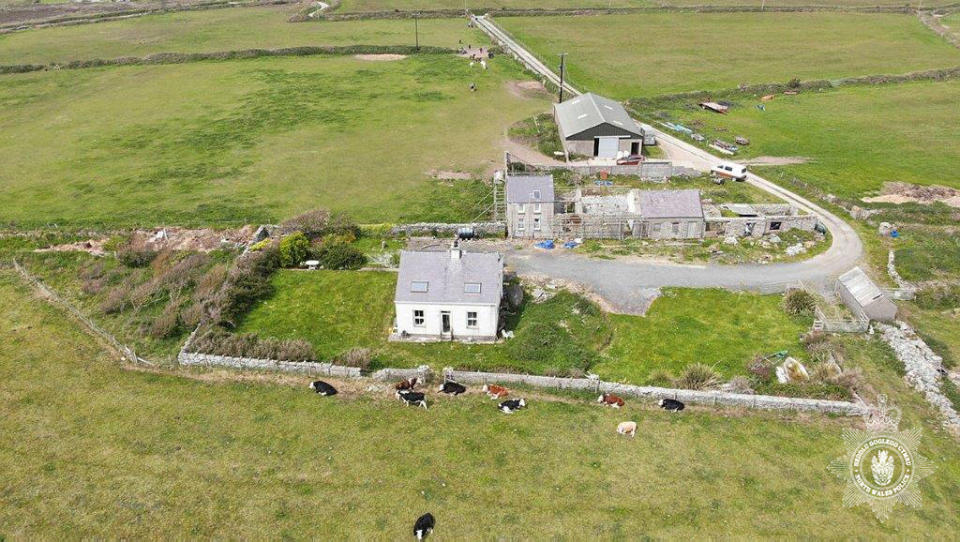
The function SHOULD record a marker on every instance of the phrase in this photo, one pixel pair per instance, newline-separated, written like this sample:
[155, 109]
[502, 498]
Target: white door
[608, 147]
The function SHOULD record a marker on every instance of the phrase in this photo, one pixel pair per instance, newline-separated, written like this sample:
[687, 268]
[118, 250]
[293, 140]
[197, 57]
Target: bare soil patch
[385, 57]
[526, 89]
[897, 192]
[447, 175]
[199, 240]
[776, 160]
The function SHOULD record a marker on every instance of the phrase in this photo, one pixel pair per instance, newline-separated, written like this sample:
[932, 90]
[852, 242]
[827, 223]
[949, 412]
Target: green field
[252, 141]
[339, 310]
[218, 30]
[478, 6]
[106, 453]
[856, 138]
[626, 56]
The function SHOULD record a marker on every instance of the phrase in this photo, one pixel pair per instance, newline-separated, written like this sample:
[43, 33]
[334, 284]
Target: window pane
[419, 286]
[471, 288]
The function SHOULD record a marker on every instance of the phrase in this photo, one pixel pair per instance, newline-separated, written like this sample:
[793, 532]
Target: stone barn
[671, 214]
[448, 295]
[862, 295]
[594, 126]
[530, 206]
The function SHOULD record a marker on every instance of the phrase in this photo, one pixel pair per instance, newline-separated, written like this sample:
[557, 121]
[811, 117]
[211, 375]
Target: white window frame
[521, 223]
[419, 318]
[536, 223]
[474, 318]
[521, 207]
[536, 208]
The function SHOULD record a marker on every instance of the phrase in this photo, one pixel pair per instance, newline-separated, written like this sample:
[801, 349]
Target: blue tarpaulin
[548, 244]
[571, 244]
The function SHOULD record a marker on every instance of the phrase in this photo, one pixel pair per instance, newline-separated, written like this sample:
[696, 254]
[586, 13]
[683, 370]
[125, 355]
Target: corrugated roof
[670, 203]
[589, 110]
[447, 277]
[864, 290]
[524, 188]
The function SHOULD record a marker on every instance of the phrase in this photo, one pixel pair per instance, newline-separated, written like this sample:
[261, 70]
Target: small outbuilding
[591, 125]
[671, 214]
[530, 206]
[448, 295]
[862, 295]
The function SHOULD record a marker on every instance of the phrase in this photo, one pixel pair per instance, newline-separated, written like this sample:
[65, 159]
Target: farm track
[622, 281]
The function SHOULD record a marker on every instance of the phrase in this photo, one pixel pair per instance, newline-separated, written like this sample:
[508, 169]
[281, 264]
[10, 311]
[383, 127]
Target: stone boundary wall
[423, 373]
[496, 229]
[709, 398]
[193, 359]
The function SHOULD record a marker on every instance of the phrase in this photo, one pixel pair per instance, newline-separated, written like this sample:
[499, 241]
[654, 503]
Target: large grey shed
[591, 125]
[862, 295]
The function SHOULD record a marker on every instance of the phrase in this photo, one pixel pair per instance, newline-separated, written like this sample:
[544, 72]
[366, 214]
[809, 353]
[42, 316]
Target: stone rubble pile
[923, 367]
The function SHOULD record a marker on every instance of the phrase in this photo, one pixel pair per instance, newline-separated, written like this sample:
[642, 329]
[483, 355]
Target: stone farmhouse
[647, 214]
[595, 126]
[448, 295]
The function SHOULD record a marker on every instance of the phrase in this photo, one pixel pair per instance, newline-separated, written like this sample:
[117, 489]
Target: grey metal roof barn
[530, 188]
[670, 203]
[450, 276]
[588, 111]
[862, 295]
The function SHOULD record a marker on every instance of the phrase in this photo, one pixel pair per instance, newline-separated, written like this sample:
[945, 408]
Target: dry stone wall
[299, 367]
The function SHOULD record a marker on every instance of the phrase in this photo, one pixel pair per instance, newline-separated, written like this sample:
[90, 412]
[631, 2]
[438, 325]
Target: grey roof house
[531, 204]
[448, 295]
[591, 125]
[670, 214]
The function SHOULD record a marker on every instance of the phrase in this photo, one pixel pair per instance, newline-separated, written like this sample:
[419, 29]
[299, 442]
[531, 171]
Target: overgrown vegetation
[799, 302]
[539, 132]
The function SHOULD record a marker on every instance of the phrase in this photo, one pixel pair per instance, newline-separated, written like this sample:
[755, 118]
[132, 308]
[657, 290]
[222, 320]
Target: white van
[730, 170]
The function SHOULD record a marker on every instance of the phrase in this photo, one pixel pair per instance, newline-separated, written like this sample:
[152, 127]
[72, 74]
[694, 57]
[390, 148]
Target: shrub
[661, 378]
[356, 357]
[246, 284]
[116, 299]
[760, 367]
[260, 245]
[739, 384]
[342, 224]
[799, 303]
[939, 297]
[698, 377]
[339, 255]
[168, 323]
[217, 341]
[293, 249]
[313, 223]
[135, 258]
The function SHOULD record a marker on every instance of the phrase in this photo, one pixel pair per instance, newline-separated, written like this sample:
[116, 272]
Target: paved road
[623, 282]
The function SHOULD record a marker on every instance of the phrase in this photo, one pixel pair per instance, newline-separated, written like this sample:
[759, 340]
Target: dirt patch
[474, 53]
[447, 175]
[776, 160]
[526, 89]
[386, 57]
[897, 193]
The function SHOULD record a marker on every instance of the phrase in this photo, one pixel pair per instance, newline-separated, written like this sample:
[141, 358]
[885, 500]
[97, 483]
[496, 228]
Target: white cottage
[450, 295]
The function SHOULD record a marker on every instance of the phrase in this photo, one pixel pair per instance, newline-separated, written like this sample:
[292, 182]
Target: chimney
[455, 252]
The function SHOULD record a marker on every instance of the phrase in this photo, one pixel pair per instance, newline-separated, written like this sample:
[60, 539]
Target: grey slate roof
[863, 290]
[670, 203]
[589, 110]
[521, 188]
[446, 277]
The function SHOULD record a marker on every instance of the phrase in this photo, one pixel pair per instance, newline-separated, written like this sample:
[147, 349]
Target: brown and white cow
[610, 399]
[494, 391]
[406, 384]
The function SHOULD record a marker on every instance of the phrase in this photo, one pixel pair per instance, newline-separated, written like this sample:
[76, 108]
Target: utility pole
[562, 56]
[416, 29]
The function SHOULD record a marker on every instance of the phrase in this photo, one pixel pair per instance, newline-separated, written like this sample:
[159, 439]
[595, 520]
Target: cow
[322, 388]
[412, 398]
[627, 428]
[494, 391]
[510, 406]
[671, 404]
[406, 384]
[610, 399]
[423, 526]
[452, 388]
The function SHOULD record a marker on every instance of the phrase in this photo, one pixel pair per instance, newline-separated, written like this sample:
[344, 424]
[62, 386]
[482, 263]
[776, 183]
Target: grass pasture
[627, 56]
[478, 6]
[218, 30]
[251, 141]
[102, 452]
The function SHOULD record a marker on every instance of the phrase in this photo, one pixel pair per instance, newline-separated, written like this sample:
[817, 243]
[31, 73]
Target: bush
[313, 224]
[939, 297]
[341, 224]
[293, 250]
[135, 258]
[799, 303]
[698, 377]
[248, 345]
[661, 378]
[168, 323]
[248, 283]
[822, 347]
[760, 367]
[340, 255]
[356, 357]
[739, 384]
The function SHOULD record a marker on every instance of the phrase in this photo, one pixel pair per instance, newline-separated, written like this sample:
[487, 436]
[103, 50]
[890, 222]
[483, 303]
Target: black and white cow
[452, 388]
[414, 398]
[514, 404]
[672, 405]
[322, 388]
[423, 526]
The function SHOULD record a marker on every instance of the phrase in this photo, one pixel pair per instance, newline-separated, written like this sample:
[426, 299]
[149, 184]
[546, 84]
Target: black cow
[452, 388]
[414, 398]
[323, 388]
[671, 404]
[423, 526]
[512, 405]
